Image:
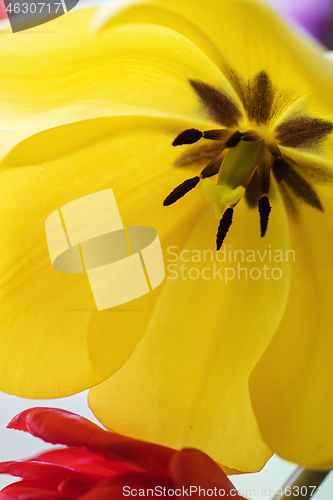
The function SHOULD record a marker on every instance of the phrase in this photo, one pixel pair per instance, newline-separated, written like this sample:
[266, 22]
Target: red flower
[3, 13]
[101, 465]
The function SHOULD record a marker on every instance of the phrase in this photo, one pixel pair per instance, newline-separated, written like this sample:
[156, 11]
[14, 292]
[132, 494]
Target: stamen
[216, 135]
[264, 172]
[212, 168]
[234, 140]
[181, 190]
[264, 211]
[253, 192]
[224, 226]
[251, 135]
[189, 136]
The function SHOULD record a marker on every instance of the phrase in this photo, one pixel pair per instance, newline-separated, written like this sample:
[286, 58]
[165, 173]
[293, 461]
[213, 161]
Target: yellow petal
[292, 383]
[53, 341]
[70, 74]
[187, 382]
[244, 35]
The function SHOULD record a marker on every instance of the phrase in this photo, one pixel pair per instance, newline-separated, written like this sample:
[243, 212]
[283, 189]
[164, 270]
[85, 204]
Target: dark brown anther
[181, 190]
[189, 136]
[224, 226]
[212, 168]
[264, 211]
[234, 140]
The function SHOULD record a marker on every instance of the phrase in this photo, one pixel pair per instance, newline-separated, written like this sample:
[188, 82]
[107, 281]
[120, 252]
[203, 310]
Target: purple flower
[315, 16]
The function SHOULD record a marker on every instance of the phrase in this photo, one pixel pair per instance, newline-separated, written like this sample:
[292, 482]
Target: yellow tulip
[239, 368]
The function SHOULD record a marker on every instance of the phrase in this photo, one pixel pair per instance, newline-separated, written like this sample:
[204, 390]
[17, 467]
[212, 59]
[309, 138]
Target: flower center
[242, 154]
[246, 150]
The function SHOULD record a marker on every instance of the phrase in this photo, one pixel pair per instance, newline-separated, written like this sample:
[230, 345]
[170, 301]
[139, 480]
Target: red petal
[29, 489]
[41, 471]
[62, 427]
[73, 488]
[191, 467]
[104, 493]
[148, 456]
[85, 461]
[3, 13]
[114, 488]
